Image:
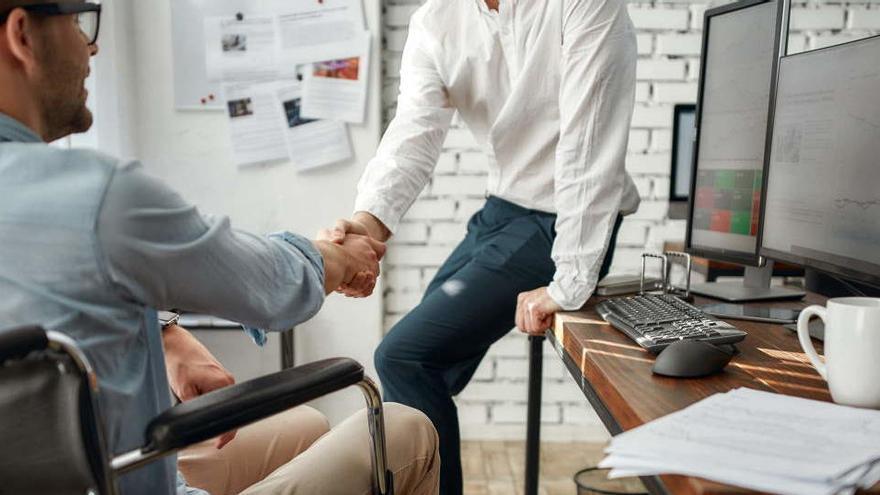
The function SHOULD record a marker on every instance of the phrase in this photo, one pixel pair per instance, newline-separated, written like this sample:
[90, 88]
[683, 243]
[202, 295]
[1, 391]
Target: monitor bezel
[785, 256]
[679, 109]
[739, 257]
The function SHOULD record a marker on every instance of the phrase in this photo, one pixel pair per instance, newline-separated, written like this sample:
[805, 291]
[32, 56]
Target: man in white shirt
[547, 89]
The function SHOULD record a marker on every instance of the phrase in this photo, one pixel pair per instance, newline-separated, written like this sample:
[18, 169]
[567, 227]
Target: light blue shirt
[89, 245]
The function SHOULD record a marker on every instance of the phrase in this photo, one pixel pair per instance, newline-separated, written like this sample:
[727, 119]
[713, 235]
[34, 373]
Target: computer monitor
[737, 71]
[823, 183]
[684, 129]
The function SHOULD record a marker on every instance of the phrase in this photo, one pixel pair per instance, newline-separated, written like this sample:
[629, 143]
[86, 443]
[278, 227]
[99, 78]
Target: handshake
[352, 250]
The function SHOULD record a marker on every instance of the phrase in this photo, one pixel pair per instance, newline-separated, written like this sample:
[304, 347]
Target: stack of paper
[757, 440]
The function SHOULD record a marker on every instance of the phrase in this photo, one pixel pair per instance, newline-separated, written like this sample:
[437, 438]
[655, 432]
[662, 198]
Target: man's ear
[21, 38]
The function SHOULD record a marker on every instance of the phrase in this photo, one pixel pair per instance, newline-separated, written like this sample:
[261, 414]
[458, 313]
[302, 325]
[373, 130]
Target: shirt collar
[12, 130]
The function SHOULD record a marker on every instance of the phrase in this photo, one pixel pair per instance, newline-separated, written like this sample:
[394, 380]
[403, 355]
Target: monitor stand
[755, 286]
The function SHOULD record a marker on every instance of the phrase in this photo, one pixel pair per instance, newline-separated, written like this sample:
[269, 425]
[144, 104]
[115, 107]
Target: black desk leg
[288, 349]
[533, 422]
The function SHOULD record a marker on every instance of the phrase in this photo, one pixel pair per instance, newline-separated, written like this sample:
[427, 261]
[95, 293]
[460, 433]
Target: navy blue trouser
[431, 354]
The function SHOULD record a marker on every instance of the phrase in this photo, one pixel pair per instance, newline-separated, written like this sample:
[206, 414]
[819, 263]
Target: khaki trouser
[295, 452]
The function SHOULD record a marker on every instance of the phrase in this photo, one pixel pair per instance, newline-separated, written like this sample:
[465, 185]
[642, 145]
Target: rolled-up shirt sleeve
[411, 145]
[159, 250]
[595, 104]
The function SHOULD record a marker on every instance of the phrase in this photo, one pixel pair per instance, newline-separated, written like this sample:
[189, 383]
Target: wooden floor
[496, 468]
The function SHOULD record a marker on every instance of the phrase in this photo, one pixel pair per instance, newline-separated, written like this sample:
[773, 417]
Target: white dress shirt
[547, 89]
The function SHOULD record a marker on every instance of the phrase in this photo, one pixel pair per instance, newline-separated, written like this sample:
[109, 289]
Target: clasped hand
[360, 257]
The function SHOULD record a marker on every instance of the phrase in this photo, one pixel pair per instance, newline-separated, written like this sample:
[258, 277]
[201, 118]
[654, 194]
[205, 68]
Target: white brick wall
[669, 40]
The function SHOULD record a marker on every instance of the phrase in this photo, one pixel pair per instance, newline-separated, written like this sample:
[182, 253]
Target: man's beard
[63, 102]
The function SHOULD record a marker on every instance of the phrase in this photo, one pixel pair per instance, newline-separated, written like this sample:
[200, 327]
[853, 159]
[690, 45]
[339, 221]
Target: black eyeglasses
[88, 15]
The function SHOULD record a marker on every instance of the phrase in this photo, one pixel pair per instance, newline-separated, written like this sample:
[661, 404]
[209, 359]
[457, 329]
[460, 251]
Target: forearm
[335, 265]
[375, 228]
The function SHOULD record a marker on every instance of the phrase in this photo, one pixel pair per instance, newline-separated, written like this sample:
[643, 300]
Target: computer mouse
[691, 359]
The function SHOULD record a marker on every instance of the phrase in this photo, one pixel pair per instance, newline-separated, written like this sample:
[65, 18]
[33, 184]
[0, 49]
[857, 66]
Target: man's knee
[407, 426]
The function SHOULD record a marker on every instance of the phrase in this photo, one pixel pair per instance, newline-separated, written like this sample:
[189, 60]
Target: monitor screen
[737, 73]
[684, 131]
[823, 184]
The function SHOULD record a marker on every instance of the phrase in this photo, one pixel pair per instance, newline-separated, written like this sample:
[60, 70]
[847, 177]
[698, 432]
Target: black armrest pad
[20, 341]
[238, 405]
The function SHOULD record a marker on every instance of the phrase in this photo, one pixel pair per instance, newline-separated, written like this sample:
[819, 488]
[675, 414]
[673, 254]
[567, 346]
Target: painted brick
[398, 15]
[467, 208]
[460, 138]
[395, 39]
[659, 69]
[651, 210]
[797, 43]
[661, 188]
[651, 163]
[463, 185]
[579, 414]
[473, 162]
[436, 209]
[639, 140]
[514, 369]
[643, 92]
[658, 18]
[820, 19]
[516, 413]
[448, 233]
[633, 233]
[679, 44]
[832, 39]
[447, 164]
[627, 260]
[417, 255]
[410, 233]
[401, 302]
[697, 16]
[643, 184]
[645, 44]
[862, 18]
[514, 344]
[675, 92]
[693, 69]
[403, 279]
[485, 371]
[392, 66]
[652, 116]
[473, 413]
[661, 140]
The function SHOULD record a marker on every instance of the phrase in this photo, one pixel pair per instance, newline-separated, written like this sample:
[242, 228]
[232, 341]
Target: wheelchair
[52, 436]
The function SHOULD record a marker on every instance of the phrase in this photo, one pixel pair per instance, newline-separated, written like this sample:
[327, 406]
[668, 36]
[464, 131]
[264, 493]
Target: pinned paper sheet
[312, 143]
[316, 31]
[241, 49]
[254, 127]
[337, 89]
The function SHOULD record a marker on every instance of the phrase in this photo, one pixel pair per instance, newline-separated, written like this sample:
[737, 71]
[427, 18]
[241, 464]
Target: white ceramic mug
[852, 349]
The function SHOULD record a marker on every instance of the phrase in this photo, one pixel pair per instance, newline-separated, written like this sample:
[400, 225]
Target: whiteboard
[192, 90]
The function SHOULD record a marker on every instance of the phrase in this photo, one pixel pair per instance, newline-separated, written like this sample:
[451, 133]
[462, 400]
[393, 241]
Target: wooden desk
[615, 375]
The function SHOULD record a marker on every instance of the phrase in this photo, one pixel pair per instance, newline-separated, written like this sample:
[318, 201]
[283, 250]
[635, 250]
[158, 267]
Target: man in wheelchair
[90, 244]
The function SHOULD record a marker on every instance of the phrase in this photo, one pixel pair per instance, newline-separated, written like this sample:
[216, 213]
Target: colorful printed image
[240, 108]
[338, 69]
[292, 110]
[234, 43]
[728, 201]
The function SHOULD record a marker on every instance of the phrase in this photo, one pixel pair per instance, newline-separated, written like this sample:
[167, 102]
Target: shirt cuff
[572, 286]
[379, 208]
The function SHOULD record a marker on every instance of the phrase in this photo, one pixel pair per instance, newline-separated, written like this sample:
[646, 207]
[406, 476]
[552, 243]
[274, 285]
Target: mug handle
[803, 331]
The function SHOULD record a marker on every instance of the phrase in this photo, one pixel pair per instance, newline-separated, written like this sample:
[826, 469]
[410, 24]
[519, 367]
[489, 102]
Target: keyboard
[655, 321]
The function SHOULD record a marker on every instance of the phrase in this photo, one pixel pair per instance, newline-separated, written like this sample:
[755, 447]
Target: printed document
[757, 440]
[254, 122]
[311, 31]
[312, 143]
[337, 89]
[243, 49]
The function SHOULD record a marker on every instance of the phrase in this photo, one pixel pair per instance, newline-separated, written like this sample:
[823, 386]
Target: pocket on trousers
[524, 245]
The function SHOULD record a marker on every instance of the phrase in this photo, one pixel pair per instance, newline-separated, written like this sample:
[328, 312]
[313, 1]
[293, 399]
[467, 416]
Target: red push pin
[204, 101]
[211, 96]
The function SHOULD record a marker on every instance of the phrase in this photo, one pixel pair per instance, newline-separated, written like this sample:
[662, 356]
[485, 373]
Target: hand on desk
[363, 227]
[535, 310]
[193, 370]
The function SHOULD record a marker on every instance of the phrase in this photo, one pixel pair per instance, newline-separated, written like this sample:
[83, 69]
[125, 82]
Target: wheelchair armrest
[20, 341]
[238, 405]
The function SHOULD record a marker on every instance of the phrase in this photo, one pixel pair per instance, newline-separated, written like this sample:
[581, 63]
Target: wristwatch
[168, 318]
